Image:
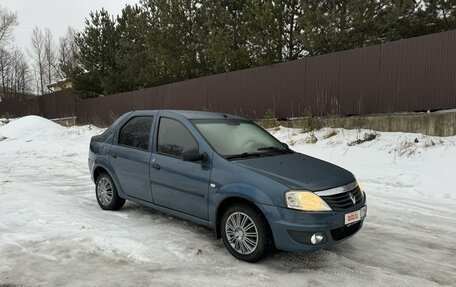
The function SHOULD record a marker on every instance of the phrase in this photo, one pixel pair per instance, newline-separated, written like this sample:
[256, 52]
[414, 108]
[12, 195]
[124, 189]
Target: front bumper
[292, 229]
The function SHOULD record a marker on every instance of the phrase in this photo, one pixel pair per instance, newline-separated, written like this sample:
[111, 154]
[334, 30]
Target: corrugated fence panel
[322, 84]
[186, 96]
[28, 107]
[440, 86]
[150, 99]
[57, 105]
[359, 81]
[290, 97]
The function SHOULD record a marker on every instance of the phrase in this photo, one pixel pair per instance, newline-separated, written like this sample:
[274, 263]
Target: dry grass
[329, 134]
[366, 138]
[311, 139]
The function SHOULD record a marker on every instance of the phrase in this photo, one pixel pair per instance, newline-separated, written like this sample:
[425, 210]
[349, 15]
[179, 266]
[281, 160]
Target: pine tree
[98, 44]
[228, 48]
[133, 59]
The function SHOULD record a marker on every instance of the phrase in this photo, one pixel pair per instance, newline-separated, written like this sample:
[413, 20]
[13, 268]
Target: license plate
[355, 216]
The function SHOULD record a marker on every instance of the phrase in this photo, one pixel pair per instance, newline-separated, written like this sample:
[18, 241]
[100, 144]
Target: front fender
[245, 191]
[237, 190]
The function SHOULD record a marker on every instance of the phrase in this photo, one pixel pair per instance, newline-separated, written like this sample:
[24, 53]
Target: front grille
[345, 231]
[343, 201]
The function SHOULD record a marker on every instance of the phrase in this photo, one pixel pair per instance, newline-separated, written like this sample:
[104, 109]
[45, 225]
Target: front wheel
[244, 233]
[106, 193]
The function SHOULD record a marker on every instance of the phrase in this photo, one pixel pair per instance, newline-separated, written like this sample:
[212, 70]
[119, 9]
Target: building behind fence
[415, 74]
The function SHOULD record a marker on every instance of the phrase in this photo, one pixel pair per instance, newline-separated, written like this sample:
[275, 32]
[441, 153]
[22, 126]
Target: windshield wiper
[243, 155]
[273, 148]
[263, 151]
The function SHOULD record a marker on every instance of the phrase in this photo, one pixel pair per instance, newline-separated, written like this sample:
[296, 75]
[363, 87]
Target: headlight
[305, 200]
[359, 186]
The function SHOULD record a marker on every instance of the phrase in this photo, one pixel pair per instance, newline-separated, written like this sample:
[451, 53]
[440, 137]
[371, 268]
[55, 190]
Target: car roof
[192, 115]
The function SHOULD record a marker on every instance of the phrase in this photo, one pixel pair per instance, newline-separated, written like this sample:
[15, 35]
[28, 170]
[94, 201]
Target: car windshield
[239, 138]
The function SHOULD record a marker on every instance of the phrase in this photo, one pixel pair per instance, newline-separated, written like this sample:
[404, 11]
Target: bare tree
[5, 63]
[68, 51]
[20, 73]
[50, 56]
[64, 54]
[8, 20]
[36, 79]
[14, 74]
[14, 69]
[38, 54]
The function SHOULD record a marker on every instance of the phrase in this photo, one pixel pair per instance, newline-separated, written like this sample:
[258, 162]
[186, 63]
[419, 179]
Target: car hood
[299, 171]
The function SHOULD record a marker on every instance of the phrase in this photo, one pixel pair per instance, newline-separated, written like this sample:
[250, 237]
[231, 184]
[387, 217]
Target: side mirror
[193, 155]
[285, 145]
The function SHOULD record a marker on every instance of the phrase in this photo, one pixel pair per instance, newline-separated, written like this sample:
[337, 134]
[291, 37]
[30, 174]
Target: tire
[238, 236]
[106, 193]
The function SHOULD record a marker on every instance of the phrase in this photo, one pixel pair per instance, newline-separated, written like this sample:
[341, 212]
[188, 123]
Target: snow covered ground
[52, 232]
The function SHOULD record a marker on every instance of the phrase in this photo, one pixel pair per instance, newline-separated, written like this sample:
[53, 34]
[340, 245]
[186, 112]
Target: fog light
[317, 238]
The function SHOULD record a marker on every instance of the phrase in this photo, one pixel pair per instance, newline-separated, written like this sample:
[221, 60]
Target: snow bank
[30, 126]
[38, 137]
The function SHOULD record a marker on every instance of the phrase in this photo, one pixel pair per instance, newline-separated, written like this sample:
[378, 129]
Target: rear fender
[104, 163]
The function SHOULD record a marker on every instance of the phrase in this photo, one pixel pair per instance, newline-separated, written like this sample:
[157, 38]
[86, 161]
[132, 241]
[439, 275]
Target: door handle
[114, 155]
[156, 165]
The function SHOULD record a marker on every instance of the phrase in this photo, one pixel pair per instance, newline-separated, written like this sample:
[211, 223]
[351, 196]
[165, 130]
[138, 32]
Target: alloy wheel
[241, 233]
[104, 191]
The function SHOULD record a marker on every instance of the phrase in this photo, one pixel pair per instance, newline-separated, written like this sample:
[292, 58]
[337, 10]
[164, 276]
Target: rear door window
[136, 133]
[174, 138]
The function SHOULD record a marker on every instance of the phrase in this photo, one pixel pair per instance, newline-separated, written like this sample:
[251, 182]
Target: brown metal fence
[56, 105]
[408, 75]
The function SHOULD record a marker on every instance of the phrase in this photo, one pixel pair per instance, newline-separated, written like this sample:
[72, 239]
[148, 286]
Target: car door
[177, 184]
[130, 157]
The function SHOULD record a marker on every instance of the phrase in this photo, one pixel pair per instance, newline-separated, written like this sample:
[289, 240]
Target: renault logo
[352, 197]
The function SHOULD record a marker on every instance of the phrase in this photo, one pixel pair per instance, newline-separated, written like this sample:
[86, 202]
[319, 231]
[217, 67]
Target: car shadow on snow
[162, 218]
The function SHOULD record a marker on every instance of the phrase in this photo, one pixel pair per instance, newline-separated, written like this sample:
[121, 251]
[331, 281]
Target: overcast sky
[56, 15]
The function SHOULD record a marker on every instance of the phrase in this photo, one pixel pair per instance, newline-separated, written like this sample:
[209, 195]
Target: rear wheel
[106, 193]
[244, 233]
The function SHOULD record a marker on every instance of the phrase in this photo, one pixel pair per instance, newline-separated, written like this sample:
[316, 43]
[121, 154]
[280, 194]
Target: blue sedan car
[229, 174]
